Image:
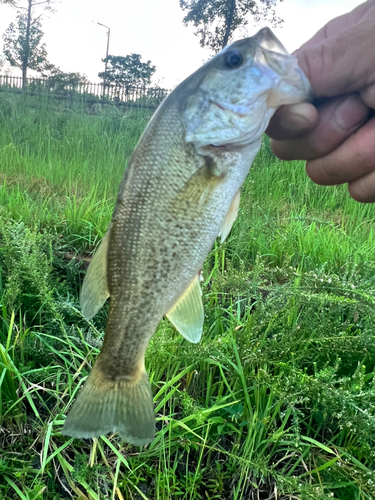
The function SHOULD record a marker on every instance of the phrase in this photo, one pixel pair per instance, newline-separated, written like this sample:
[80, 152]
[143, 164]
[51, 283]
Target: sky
[154, 29]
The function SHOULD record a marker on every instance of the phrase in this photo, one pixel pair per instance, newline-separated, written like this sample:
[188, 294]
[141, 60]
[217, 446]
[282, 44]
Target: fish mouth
[238, 109]
[268, 41]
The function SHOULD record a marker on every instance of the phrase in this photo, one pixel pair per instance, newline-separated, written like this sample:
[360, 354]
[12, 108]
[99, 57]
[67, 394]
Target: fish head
[231, 99]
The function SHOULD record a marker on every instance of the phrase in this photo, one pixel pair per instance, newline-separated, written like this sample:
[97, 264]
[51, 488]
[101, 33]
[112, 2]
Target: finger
[338, 119]
[342, 63]
[291, 121]
[363, 189]
[353, 159]
[340, 23]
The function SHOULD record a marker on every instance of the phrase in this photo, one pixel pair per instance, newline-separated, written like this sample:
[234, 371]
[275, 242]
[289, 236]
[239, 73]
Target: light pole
[106, 57]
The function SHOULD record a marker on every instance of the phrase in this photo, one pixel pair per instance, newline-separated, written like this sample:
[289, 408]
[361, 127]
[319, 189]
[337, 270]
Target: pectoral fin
[231, 217]
[95, 289]
[187, 313]
[199, 189]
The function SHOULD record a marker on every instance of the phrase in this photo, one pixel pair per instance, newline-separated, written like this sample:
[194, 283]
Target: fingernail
[350, 113]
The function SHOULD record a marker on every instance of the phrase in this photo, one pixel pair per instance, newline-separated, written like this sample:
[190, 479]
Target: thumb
[342, 63]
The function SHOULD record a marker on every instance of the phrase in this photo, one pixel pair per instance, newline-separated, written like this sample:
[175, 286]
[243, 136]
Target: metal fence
[92, 92]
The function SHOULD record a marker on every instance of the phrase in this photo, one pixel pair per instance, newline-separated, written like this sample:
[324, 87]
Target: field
[278, 399]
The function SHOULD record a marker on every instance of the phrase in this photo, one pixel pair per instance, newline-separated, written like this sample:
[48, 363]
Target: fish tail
[105, 406]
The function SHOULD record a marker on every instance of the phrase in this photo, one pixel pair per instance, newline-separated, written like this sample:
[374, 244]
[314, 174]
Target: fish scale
[179, 192]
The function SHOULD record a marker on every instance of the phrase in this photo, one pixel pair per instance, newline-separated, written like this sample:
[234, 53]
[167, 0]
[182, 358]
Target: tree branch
[229, 22]
[36, 19]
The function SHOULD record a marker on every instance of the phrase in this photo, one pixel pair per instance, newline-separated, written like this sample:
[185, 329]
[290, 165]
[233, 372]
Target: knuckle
[323, 63]
[316, 61]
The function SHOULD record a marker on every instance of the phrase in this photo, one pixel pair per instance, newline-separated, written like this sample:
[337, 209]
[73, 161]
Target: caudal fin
[105, 406]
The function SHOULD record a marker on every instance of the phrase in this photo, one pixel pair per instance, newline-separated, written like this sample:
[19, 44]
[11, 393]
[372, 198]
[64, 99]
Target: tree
[217, 20]
[60, 82]
[128, 71]
[22, 41]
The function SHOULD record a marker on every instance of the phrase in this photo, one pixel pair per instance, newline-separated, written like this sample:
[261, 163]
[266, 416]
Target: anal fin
[230, 217]
[95, 288]
[187, 313]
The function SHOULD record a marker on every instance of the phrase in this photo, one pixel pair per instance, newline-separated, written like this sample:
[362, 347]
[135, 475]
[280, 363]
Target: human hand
[337, 135]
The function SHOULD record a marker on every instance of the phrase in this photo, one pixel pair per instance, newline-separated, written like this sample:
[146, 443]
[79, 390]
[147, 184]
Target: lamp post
[106, 57]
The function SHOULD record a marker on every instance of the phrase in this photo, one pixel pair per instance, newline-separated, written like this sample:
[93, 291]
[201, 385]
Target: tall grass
[278, 399]
[63, 165]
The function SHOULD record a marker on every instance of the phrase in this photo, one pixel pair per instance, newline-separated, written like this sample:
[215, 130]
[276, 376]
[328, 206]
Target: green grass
[61, 166]
[278, 399]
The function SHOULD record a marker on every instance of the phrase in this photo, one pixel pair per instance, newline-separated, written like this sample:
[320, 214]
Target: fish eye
[232, 59]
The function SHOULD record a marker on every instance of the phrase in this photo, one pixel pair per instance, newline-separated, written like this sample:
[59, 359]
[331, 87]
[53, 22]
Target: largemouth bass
[179, 193]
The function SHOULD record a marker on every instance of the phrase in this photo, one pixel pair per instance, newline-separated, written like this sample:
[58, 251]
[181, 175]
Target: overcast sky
[154, 29]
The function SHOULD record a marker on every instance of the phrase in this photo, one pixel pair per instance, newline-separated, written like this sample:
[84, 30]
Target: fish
[180, 191]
